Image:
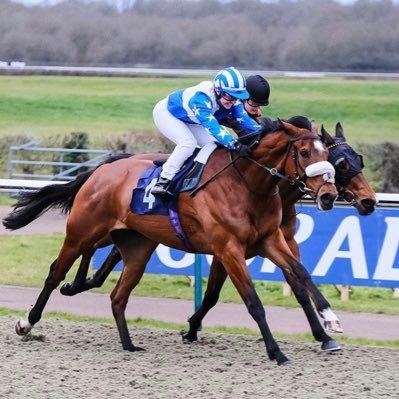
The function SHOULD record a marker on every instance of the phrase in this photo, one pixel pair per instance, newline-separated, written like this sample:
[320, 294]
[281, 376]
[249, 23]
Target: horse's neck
[256, 175]
[289, 194]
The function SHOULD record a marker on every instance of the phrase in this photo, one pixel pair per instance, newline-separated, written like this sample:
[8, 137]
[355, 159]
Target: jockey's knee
[187, 146]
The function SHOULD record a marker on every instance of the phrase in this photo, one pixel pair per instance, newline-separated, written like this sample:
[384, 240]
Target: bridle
[344, 193]
[299, 181]
[301, 175]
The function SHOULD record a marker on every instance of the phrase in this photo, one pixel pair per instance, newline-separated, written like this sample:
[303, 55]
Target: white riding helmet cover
[231, 81]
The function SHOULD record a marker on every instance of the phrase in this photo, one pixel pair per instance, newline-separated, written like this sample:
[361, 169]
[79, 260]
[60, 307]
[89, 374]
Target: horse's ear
[315, 128]
[290, 129]
[339, 131]
[325, 136]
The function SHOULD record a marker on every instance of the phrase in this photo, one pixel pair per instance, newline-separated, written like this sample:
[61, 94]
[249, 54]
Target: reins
[203, 185]
[298, 182]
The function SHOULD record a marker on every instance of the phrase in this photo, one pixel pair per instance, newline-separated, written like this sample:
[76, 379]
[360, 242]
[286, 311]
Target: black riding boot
[161, 188]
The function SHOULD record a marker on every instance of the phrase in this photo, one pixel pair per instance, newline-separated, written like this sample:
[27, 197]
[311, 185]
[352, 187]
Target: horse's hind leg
[331, 321]
[217, 277]
[106, 268]
[58, 270]
[81, 283]
[320, 335]
[276, 249]
[77, 285]
[136, 250]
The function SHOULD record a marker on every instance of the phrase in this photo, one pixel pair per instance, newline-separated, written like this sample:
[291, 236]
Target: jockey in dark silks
[259, 93]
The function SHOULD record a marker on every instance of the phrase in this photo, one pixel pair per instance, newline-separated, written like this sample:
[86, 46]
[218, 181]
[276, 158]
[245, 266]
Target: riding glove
[243, 149]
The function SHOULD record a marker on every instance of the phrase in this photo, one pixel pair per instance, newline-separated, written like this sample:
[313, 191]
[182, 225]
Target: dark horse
[236, 216]
[352, 186]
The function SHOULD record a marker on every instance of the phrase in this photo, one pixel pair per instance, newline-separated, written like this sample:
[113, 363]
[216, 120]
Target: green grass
[99, 106]
[156, 324]
[47, 105]
[25, 261]
[6, 200]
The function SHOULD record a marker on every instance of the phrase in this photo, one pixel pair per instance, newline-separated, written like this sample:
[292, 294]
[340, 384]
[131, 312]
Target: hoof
[187, 337]
[333, 327]
[22, 327]
[134, 349]
[286, 363]
[331, 346]
[66, 289]
[139, 349]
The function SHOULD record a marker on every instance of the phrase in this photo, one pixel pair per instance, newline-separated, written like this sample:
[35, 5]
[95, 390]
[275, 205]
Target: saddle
[187, 179]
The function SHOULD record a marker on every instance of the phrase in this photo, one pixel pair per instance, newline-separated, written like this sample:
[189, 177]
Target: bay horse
[352, 186]
[235, 217]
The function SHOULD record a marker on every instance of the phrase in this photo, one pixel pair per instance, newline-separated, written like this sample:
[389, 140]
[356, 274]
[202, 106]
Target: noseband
[323, 168]
[302, 174]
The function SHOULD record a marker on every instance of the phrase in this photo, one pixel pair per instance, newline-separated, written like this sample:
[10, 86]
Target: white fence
[15, 185]
[18, 68]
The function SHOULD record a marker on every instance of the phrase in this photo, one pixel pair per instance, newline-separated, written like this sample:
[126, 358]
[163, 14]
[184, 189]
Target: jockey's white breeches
[186, 137]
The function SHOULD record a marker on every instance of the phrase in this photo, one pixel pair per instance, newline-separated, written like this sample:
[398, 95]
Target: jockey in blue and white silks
[190, 118]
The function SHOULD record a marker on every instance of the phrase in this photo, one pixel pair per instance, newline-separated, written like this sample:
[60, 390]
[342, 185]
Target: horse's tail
[32, 204]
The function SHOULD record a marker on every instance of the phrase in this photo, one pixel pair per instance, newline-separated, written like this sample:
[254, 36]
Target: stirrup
[161, 188]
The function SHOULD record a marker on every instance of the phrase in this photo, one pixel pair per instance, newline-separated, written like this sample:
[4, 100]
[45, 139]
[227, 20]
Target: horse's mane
[270, 126]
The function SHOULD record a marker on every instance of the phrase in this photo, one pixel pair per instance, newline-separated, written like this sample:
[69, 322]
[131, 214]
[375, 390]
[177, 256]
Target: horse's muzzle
[365, 206]
[325, 202]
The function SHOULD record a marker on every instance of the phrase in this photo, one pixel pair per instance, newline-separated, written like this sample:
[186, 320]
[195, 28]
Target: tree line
[306, 35]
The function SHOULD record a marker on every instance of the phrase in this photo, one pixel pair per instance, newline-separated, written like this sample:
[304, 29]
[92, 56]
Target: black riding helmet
[258, 89]
[300, 121]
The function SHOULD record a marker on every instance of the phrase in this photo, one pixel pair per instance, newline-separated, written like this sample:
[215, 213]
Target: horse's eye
[340, 163]
[304, 154]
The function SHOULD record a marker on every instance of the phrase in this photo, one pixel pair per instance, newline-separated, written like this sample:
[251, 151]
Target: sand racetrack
[85, 360]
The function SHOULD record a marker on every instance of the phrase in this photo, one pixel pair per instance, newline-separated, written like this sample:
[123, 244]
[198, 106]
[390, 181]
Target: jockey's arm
[203, 112]
[233, 124]
[241, 116]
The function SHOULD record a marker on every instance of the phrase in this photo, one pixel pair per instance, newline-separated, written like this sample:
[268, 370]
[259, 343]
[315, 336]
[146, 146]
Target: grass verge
[46, 105]
[25, 261]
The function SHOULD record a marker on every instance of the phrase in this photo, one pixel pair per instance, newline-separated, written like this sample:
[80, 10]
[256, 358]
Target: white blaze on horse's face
[322, 189]
[318, 145]
[321, 168]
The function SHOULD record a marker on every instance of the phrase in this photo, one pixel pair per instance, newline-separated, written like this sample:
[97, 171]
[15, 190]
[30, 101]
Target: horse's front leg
[331, 321]
[276, 249]
[232, 256]
[217, 277]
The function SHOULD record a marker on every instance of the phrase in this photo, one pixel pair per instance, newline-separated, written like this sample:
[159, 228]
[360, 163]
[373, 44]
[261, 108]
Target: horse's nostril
[327, 200]
[368, 203]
